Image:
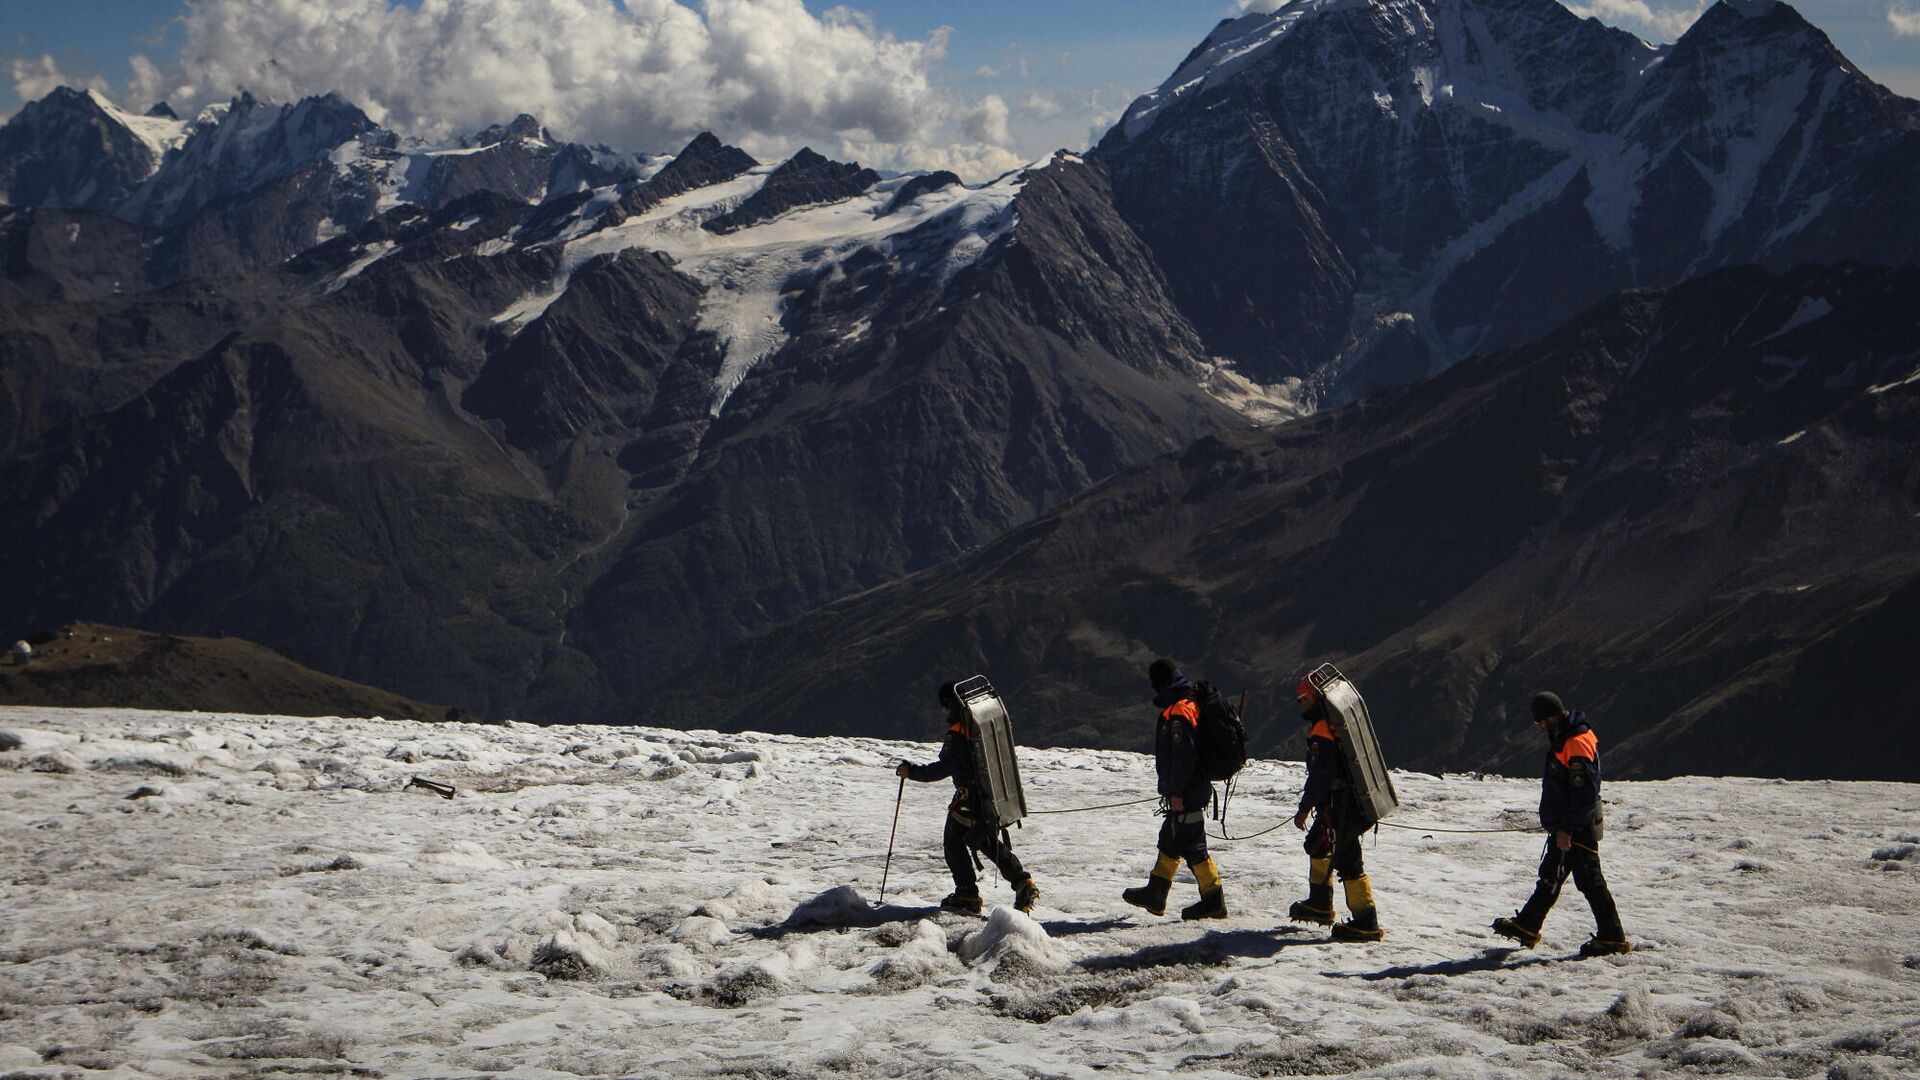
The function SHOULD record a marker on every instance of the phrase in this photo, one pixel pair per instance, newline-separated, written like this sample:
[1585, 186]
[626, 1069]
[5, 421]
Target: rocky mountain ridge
[250, 183]
[1694, 512]
[1359, 193]
[533, 459]
[539, 429]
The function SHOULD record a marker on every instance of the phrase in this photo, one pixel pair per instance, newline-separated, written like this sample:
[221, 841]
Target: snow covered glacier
[192, 894]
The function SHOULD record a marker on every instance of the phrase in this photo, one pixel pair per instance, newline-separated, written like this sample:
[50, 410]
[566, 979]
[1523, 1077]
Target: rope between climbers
[1431, 828]
[1084, 809]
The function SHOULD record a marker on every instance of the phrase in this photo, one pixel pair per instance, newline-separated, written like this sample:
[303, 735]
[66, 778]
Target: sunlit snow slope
[191, 894]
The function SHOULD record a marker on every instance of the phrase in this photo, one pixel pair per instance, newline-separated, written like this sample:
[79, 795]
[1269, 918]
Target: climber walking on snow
[1571, 815]
[1333, 841]
[967, 829]
[1184, 786]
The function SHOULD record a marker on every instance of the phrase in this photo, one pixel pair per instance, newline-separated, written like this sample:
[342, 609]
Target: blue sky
[1058, 68]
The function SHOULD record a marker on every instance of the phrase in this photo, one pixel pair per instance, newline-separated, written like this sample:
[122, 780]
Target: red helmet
[1305, 690]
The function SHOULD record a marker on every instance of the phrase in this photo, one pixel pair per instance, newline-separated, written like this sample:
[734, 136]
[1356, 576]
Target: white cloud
[986, 122]
[1263, 7]
[1040, 106]
[643, 74]
[34, 79]
[1904, 23]
[1663, 24]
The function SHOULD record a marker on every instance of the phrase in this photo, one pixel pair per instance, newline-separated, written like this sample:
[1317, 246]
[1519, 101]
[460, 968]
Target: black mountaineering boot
[1527, 936]
[1213, 898]
[1153, 895]
[1365, 924]
[1609, 942]
[1316, 908]
[966, 903]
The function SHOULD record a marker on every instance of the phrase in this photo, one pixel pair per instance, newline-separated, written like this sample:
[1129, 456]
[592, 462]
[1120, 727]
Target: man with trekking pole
[969, 829]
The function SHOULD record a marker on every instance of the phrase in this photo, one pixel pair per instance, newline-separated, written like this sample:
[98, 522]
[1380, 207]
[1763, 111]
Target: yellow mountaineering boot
[1153, 895]
[1318, 906]
[1213, 899]
[1365, 924]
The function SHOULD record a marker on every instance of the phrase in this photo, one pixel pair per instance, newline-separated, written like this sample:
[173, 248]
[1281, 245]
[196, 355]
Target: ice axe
[884, 870]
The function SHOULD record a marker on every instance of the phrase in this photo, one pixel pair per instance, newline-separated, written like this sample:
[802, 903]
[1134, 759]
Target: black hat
[949, 694]
[1546, 703]
[1162, 673]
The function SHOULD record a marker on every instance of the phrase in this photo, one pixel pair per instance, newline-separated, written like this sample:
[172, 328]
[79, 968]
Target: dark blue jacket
[1570, 790]
[1176, 745]
[1325, 764]
[955, 760]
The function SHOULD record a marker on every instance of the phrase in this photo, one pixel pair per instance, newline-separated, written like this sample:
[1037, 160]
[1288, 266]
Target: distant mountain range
[545, 430]
[1693, 511]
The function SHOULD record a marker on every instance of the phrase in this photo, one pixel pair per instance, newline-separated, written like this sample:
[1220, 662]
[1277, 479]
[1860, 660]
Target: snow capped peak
[240, 147]
[523, 128]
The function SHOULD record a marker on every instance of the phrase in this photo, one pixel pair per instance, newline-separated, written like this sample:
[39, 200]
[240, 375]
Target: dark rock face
[1643, 511]
[251, 145]
[918, 186]
[65, 151]
[705, 160]
[440, 420]
[544, 517]
[88, 665]
[1316, 181]
[959, 413]
[251, 184]
[805, 179]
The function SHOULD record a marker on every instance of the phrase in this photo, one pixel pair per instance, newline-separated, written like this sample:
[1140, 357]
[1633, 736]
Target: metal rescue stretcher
[1372, 789]
[995, 771]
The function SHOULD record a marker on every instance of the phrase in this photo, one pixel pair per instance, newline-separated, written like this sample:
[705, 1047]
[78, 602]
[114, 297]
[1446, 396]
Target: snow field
[225, 895]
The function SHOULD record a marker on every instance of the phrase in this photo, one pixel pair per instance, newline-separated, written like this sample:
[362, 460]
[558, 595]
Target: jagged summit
[1428, 178]
[523, 128]
[807, 178]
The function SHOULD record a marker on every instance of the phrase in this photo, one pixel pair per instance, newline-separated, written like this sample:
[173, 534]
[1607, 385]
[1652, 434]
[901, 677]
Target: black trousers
[961, 841]
[1326, 838]
[1582, 863]
[1185, 839]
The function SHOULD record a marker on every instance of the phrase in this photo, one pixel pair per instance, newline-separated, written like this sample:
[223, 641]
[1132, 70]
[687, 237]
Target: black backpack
[1221, 737]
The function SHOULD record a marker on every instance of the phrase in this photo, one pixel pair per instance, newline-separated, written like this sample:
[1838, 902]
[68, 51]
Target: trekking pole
[896, 830]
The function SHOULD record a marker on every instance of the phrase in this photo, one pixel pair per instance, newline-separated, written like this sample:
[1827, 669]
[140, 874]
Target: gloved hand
[1563, 840]
[900, 770]
[1300, 820]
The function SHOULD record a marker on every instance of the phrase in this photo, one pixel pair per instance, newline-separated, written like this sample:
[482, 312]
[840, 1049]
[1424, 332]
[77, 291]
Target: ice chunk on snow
[839, 906]
[460, 855]
[699, 931]
[1007, 931]
[600, 930]
[565, 955]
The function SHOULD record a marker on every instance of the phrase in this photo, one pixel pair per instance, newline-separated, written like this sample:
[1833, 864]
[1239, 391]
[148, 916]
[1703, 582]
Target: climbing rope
[1104, 806]
[1431, 828]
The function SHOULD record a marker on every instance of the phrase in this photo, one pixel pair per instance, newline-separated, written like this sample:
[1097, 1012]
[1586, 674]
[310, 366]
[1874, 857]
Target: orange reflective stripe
[959, 727]
[1322, 730]
[1186, 708]
[1582, 745]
